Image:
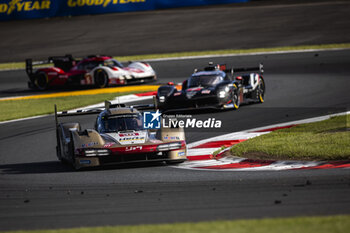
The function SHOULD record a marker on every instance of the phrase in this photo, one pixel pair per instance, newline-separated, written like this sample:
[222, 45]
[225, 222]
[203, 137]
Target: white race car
[108, 71]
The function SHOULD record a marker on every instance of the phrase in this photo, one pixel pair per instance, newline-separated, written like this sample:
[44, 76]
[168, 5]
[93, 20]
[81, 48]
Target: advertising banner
[183, 3]
[31, 9]
[24, 9]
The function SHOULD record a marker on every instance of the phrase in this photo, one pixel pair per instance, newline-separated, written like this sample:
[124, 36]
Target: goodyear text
[104, 3]
[20, 6]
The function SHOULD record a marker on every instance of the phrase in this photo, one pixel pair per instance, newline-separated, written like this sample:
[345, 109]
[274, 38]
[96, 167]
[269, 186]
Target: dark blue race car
[214, 87]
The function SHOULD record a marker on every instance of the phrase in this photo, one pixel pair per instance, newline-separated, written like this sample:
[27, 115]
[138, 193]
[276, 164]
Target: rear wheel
[41, 81]
[101, 78]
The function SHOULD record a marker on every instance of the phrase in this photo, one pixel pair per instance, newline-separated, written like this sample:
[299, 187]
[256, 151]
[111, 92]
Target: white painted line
[228, 55]
[277, 166]
[24, 119]
[117, 100]
[201, 151]
[243, 135]
[298, 122]
[211, 162]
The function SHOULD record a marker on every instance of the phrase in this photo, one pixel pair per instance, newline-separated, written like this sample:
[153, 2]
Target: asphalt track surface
[38, 192]
[257, 24]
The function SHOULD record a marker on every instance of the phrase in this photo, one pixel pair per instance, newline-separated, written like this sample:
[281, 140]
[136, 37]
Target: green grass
[218, 150]
[14, 109]
[325, 140]
[21, 65]
[329, 224]
[231, 51]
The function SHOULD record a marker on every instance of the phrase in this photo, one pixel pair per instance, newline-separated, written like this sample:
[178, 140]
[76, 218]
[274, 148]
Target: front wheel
[235, 97]
[101, 78]
[260, 91]
[58, 153]
[71, 153]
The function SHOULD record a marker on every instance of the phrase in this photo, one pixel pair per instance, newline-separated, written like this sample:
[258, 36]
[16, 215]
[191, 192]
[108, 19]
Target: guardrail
[31, 9]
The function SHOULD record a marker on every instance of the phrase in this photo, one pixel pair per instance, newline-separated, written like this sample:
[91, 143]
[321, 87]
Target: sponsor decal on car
[63, 76]
[180, 154]
[129, 138]
[128, 134]
[108, 144]
[172, 138]
[133, 148]
[90, 144]
[85, 161]
[87, 79]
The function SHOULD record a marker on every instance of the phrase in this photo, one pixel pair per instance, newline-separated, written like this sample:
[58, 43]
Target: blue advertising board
[31, 9]
[183, 3]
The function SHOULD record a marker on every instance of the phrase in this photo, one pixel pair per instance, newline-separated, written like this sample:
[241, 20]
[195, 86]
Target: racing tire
[101, 78]
[260, 91]
[71, 153]
[41, 81]
[59, 149]
[235, 98]
[60, 157]
[58, 153]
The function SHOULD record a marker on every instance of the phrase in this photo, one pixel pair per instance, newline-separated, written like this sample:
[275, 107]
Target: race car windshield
[118, 123]
[204, 81]
[112, 63]
[89, 65]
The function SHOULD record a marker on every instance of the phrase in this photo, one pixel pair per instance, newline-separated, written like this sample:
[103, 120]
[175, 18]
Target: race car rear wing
[64, 62]
[223, 67]
[75, 113]
[259, 68]
[98, 110]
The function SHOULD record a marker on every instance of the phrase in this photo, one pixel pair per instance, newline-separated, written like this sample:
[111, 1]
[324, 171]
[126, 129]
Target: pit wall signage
[31, 9]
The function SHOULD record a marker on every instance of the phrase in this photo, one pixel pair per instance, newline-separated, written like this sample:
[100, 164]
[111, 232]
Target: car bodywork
[100, 71]
[118, 137]
[214, 87]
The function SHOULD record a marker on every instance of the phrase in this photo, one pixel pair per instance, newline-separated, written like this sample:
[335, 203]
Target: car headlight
[169, 146]
[222, 93]
[96, 152]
